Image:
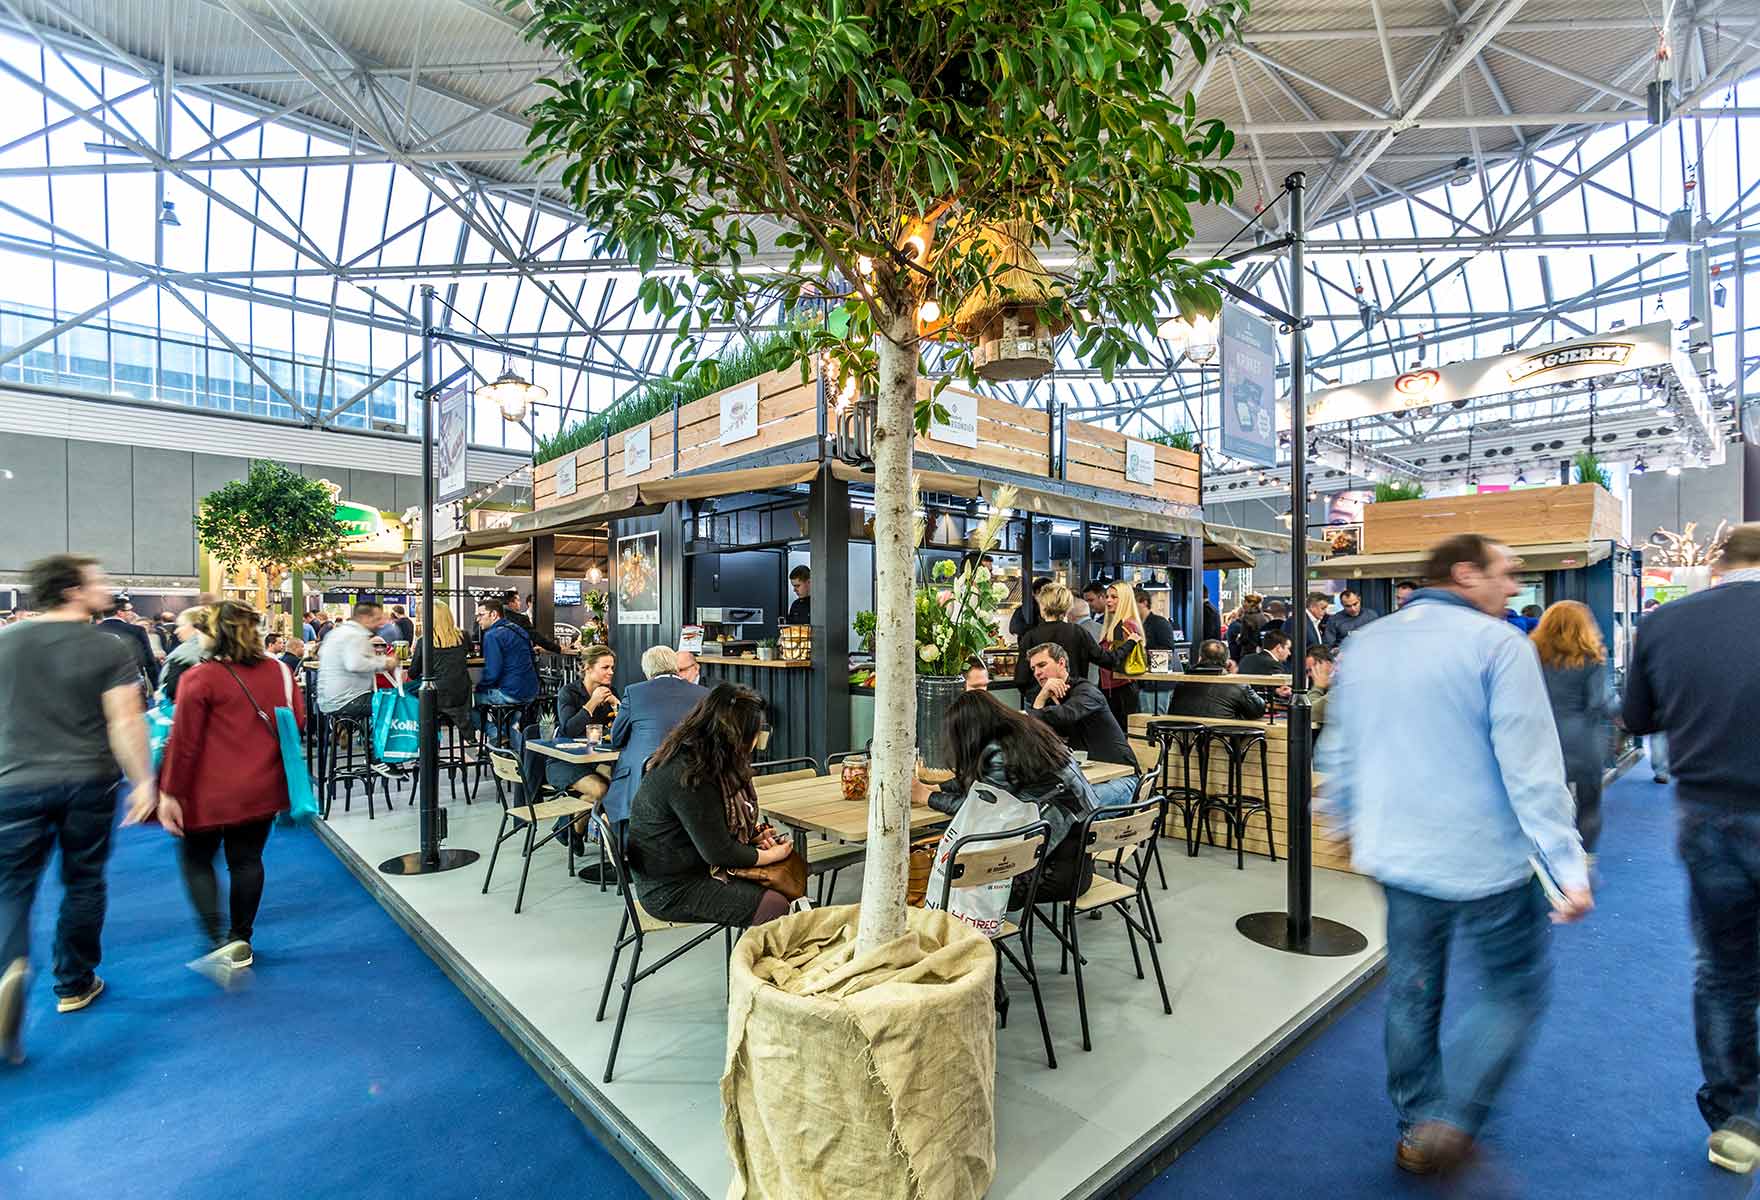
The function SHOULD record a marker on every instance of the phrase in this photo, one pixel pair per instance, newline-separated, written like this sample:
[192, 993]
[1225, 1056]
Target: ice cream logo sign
[1611, 354]
[365, 529]
[1417, 383]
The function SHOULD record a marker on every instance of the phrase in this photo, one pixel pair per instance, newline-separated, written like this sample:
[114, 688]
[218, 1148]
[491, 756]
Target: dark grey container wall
[34, 500]
[164, 538]
[100, 509]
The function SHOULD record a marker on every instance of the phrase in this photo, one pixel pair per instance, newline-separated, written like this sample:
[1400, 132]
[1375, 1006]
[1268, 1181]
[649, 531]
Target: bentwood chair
[632, 932]
[983, 858]
[345, 757]
[1234, 802]
[543, 805]
[1190, 741]
[1128, 827]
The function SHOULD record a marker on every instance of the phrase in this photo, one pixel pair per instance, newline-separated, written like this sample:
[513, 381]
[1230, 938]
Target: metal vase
[934, 694]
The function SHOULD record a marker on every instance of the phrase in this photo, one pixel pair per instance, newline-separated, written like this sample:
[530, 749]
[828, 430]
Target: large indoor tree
[878, 165]
[276, 520]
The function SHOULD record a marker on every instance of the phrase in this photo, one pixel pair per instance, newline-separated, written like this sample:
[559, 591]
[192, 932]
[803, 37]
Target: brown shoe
[1433, 1148]
[84, 999]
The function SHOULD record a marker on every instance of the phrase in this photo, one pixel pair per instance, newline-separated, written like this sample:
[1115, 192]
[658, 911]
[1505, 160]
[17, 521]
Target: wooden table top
[766, 664]
[1183, 677]
[579, 753]
[817, 804]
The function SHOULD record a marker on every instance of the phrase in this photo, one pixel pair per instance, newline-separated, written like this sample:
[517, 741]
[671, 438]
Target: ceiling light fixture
[1463, 173]
[168, 214]
[512, 393]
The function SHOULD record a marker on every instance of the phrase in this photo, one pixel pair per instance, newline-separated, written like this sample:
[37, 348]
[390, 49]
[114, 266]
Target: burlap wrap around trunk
[861, 1077]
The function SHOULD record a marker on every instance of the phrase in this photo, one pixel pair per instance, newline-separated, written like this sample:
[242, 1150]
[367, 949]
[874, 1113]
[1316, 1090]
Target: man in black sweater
[1708, 716]
[512, 610]
[1227, 701]
[1271, 658]
[1078, 711]
[117, 624]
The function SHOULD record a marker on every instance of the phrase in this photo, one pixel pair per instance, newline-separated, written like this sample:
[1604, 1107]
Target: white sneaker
[221, 965]
[1736, 1147]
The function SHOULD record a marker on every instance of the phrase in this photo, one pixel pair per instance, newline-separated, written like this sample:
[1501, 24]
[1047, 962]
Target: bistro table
[580, 753]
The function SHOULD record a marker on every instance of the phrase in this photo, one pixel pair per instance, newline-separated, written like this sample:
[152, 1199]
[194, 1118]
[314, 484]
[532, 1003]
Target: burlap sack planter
[861, 1077]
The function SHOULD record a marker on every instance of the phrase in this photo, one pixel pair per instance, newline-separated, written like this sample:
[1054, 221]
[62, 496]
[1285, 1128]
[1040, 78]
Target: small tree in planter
[277, 520]
[908, 154]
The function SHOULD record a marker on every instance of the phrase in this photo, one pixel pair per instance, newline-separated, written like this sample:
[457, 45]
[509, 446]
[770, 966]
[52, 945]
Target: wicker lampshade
[1006, 316]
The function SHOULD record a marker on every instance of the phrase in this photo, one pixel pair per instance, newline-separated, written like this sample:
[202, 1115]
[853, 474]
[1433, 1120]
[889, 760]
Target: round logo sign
[1417, 383]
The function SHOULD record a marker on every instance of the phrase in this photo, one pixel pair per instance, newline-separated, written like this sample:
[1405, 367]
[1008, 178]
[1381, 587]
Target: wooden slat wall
[1329, 851]
[1578, 512]
[786, 413]
[1010, 437]
[1096, 458]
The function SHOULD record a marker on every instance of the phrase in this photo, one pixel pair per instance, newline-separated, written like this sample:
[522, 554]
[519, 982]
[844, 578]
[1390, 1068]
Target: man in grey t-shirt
[70, 724]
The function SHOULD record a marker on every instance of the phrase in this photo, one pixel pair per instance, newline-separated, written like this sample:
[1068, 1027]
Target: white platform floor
[1059, 1133]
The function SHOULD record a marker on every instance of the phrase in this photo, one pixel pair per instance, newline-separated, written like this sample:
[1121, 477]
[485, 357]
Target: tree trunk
[895, 644]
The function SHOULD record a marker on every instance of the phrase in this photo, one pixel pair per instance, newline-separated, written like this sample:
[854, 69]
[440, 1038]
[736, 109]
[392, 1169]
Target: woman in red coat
[222, 782]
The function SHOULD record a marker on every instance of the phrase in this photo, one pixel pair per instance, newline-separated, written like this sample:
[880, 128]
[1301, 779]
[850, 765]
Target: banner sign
[566, 479]
[450, 474]
[1582, 358]
[636, 456]
[1139, 462]
[1249, 387]
[961, 426]
[739, 414]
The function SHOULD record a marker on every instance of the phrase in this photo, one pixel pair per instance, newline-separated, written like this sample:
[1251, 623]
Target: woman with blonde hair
[452, 674]
[222, 782]
[193, 641]
[1121, 628]
[1580, 687]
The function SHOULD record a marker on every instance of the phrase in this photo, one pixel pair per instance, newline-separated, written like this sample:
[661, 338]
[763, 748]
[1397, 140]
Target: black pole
[1297, 930]
[430, 858]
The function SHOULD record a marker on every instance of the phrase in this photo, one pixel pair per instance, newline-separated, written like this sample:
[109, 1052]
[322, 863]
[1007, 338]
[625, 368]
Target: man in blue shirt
[508, 675]
[1441, 762]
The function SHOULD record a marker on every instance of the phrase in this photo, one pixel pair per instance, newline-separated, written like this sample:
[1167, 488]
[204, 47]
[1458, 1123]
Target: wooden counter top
[772, 664]
[1179, 677]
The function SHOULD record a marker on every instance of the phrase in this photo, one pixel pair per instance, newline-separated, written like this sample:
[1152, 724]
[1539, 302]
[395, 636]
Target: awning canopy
[1098, 512]
[574, 555]
[944, 482]
[1551, 556]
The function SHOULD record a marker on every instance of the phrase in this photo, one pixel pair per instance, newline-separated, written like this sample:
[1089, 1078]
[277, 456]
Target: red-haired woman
[1583, 703]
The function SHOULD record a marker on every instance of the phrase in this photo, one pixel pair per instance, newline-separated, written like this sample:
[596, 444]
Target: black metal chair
[346, 757]
[1118, 827]
[1189, 740]
[981, 858]
[1234, 802]
[632, 932]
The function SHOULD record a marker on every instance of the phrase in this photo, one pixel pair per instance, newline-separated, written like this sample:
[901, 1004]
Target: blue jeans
[78, 817]
[1116, 791]
[1720, 845]
[1507, 932]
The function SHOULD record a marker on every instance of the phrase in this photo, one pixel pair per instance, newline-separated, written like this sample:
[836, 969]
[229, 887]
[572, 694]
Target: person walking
[1442, 765]
[70, 727]
[192, 646]
[1715, 758]
[222, 783]
[1574, 664]
[1122, 627]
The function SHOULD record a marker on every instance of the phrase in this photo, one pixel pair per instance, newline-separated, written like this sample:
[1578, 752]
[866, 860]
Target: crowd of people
[1461, 751]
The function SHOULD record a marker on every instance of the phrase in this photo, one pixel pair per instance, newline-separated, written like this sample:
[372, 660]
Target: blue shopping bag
[397, 726]
[158, 731]
[302, 797]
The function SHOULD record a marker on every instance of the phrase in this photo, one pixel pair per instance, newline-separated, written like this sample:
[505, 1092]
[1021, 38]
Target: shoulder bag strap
[261, 715]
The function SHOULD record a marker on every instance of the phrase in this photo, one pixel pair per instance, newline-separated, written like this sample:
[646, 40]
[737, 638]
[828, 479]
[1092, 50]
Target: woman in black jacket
[452, 673]
[1021, 755]
[695, 818]
[1053, 601]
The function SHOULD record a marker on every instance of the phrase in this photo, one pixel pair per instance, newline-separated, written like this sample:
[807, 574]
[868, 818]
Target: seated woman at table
[997, 745]
[582, 703]
[694, 821]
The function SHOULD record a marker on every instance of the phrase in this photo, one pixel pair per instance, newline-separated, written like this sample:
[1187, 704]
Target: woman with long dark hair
[994, 744]
[1574, 664]
[222, 781]
[695, 818]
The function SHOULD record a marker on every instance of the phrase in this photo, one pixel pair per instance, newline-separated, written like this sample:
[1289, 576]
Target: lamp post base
[1326, 939]
[415, 864]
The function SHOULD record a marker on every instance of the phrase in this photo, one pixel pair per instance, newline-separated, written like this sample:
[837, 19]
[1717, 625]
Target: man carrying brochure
[1441, 763]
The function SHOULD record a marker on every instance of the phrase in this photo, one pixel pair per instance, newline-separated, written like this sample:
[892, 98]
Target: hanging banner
[961, 426]
[1581, 358]
[1249, 387]
[451, 475]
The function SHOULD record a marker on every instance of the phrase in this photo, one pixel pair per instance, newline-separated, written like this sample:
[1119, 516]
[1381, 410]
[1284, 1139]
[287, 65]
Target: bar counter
[1329, 851]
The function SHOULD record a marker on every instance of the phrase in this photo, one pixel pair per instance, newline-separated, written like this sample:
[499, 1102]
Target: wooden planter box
[1578, 512]
[1010, 438]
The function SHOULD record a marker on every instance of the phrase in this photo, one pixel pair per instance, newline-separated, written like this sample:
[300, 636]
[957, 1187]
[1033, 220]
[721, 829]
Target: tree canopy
[276, 519]
[824, 135]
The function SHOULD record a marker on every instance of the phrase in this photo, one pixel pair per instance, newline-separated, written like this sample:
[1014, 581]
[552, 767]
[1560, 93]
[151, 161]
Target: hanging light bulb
[594, 575]
[930, 311]
[848, 392]
[865, 265]
[512, 393]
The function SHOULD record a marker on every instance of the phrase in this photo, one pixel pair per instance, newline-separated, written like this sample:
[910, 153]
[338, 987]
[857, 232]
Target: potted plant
[1393, 491]
[766, 649]
[889, 162]
[1589, 468]
[864, 627]
[275, 520]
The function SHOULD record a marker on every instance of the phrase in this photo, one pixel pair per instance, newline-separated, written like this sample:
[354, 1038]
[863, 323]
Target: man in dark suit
[118, 625]
[1272, 656]
[649, 712]
[1212, 625]
[1709, 719]
[1317, 606]
[1157, 635]
[1226, 701]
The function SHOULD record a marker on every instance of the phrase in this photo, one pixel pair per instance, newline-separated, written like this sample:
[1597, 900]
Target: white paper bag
[987, 809]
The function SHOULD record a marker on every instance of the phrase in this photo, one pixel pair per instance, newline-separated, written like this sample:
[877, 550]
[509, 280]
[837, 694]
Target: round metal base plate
[413, 864]
[1327, 939]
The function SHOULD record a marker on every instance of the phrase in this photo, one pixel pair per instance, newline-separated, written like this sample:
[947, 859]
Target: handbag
[159, 721]
[397, 725]
[302, 798]
[787, 878]
[1136, 662]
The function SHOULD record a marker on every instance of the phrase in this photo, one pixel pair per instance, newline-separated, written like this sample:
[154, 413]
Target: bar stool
[1234, 802]
[454, 760]
[346, 758]
[1190, 740]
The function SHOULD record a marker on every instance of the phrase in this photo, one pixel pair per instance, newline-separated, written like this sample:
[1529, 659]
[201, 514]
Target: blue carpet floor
[1603, 1108]
[351, 1067]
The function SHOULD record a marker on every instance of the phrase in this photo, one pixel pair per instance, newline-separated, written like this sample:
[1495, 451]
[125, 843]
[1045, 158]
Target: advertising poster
[739, 414]
[450, 472]
[638, 579]
[1249, 387]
